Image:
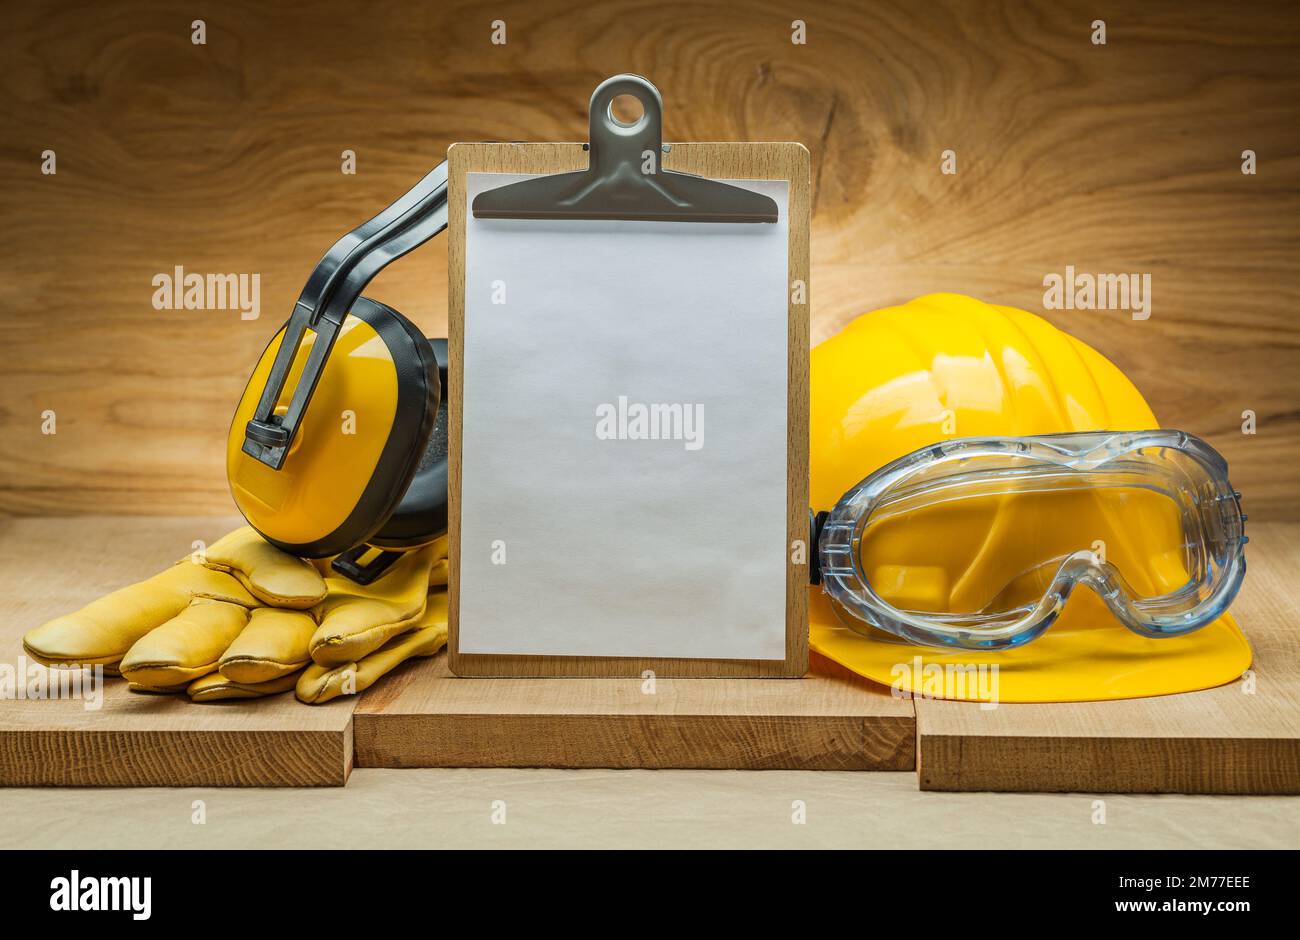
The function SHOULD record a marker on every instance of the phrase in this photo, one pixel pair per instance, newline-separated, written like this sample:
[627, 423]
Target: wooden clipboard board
[713, 161]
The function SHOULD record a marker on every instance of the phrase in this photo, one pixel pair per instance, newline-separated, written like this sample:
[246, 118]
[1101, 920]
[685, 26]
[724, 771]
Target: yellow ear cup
[357, 445]
[336, 449]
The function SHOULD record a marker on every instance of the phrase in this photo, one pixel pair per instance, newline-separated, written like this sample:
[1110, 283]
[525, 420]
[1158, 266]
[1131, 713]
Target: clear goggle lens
[977, 543]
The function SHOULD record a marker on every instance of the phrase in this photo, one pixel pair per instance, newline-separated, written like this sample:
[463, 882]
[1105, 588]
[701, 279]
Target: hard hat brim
[1099, 660]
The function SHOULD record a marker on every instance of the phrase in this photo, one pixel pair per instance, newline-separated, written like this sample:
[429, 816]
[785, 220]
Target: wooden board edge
[1003, 763]
[457, 166]
[649, 742]
[176, 758]
[492, 666]
[798, 408]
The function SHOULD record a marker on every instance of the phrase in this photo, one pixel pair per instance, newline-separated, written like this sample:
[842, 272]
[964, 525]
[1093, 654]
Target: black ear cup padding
[421, 516]
[418, 403]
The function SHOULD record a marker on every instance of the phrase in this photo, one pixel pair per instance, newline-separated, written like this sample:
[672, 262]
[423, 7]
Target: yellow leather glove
[204, 626]
[168, 630]
[321, 683]
[357, 634]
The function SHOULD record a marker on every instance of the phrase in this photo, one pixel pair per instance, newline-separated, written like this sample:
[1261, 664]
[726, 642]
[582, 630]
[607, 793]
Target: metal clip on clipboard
[332, 289]
[624, 180]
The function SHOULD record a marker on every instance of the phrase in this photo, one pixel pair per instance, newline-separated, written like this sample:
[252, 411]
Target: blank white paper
[582, 534]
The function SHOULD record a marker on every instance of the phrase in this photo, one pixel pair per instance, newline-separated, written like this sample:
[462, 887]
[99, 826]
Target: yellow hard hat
[946, 368]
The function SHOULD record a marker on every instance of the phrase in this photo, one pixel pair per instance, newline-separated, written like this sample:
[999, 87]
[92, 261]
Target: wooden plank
[226, 157]
[779, 161]
[1225, 740]
[52, 566]
[829, 720]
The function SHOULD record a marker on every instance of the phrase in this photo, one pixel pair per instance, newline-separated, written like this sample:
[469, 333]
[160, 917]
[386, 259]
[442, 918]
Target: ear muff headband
[331, 291]
[321, 496]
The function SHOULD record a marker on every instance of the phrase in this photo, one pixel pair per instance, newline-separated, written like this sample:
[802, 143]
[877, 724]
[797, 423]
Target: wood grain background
[225, 157]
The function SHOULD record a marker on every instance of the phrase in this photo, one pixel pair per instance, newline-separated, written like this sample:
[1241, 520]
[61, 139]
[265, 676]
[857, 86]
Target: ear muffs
[361, 466]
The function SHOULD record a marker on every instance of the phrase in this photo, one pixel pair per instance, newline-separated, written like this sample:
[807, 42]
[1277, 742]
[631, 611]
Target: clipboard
[625, 177]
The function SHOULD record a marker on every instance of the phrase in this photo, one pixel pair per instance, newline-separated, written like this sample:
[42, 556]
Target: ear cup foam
[421, 516]
[420, 401]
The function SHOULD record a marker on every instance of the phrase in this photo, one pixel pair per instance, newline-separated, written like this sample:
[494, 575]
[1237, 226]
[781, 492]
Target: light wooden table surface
[636, 809]
[1221, 740]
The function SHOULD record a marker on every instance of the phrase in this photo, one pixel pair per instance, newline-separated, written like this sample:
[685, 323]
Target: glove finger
[356, 626]
[155, 689]
[198, 580]
[438, 573]
[103, 630]
[186, 647]
[319, 684]
[275, 643]
[215, 687]
[273, 576]
[358, 619]
[435, 611]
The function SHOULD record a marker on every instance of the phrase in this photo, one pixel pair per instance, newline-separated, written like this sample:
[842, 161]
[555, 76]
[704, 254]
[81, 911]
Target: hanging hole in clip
[626, 111]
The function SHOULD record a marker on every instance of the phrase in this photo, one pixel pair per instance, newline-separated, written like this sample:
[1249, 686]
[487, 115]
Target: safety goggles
[977, 543]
